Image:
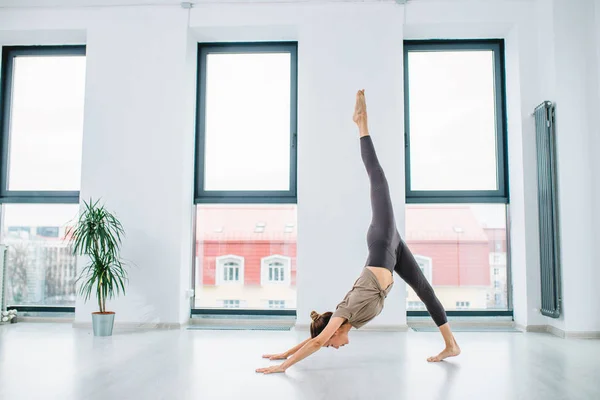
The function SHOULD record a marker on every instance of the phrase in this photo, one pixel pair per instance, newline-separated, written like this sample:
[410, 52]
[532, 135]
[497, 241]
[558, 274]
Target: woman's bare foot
[360, 113]
[451, 350]
[447, 352]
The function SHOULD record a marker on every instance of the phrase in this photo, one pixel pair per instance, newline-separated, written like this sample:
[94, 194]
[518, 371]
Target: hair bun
[314, 315]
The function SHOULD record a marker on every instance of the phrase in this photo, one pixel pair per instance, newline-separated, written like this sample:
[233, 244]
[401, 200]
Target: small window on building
[230, 269]
[231, 303]
[276, 303]
[426, 266]
[276, 270]
[47, 231]
[416, 305]
[463, 305]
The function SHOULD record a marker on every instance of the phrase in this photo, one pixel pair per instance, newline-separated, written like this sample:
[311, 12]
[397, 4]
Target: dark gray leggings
[386, 248]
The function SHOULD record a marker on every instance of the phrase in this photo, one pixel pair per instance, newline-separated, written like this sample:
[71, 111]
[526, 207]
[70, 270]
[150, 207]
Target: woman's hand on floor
[281, 356]
[271, 370]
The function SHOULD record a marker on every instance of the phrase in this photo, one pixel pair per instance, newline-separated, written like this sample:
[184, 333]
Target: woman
[387, 253]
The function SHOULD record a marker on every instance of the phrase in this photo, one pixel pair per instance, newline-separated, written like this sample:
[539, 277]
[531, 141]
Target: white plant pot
[103, 323]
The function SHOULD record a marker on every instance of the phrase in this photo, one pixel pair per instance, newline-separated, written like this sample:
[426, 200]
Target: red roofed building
[246, 256]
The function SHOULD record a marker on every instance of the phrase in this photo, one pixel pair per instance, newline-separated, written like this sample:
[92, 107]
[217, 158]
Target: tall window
[42, 130]
[245, 187]
[456, 183]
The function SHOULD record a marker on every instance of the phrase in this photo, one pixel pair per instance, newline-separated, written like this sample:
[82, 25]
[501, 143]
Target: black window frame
[28, 196]
[202, 196]
[500, 195]
[9, 53]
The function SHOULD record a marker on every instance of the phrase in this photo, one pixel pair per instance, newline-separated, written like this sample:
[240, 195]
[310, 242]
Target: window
[225, 234]
[247, 123]
[42, 131]
[497, 284]
[276, 303]
[231, 304]
[461, 152]
[416, 305]
[496, 271]
[245, 176]
[457, 238]
[276, 270]
[47, 231]
[230, 269]
[498, 259]
[456, 163]
[41, 270]
[498, 299]
[462, 305]
[426, 267]
[18, 231]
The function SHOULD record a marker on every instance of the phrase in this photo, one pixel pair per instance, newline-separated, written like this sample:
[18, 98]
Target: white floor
[55, 361]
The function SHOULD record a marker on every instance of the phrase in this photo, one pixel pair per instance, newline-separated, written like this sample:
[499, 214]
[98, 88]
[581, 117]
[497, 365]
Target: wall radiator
[548, 209]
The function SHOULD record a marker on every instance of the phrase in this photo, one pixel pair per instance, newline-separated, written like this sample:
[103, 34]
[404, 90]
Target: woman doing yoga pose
[387, 253]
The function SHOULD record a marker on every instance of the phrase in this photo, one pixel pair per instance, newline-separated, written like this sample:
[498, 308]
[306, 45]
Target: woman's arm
[310, 347]
[288, 353]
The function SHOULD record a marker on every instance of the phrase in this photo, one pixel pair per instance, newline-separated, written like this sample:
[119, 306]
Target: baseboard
[583, 335]
[366, 328]
[240, 321]
[51, 320]
[556, 331]
[532, 328]
[133, 326]
[559, 332]
[472, 322]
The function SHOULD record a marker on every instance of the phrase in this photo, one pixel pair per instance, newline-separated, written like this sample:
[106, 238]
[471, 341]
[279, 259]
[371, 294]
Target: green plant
[98, 235]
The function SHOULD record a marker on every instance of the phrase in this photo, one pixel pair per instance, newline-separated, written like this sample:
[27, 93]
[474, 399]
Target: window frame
[220, 266]
[500, 195]
[244, 196]
[9, 53]
[264, 270]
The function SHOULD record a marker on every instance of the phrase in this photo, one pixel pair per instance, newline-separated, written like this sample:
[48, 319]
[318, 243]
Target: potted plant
[97, 234]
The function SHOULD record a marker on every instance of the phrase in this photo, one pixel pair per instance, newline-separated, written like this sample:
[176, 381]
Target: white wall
[567, 51]
[140, 116]
[138, 152]
[595, 149]
[577, 97]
